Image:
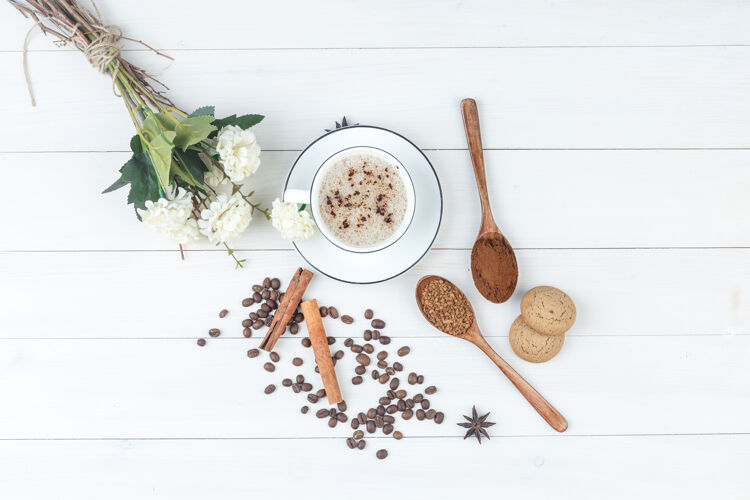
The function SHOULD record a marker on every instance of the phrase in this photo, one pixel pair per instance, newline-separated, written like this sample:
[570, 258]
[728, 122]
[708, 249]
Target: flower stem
[238, 262]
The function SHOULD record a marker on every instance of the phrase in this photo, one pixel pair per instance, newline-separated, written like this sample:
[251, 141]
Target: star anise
[343, 124]
[476, 425]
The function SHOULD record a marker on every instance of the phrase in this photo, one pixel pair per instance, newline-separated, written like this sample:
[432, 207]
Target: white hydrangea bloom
[226, 218]
[172, 217]
[238, 151]
[292, 223]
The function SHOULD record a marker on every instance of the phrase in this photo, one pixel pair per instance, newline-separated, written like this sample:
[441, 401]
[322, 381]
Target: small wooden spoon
[473, 335]
[493, 262]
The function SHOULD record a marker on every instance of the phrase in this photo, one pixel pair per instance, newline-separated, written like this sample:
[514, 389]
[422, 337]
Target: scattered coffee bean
[299, 317]
[439, 416]
[367, 335]
[382, 355]
[223, 313]
[201, 342]
[269, 367]
[381, 454]
[379, 421]
[418, 397]
[214, 332]
[348, 342]
[398, 366]
[275, 294]
[317, 369]
[385, 339]
[361, 445]
[306, 342]
[331, 340]
[296, 388]
[275, 283]
[257, 288]
[375, 374]
[371, 413]
[356, 348]
[341, 406]
[307, 387]
[322, 413]
[368, 348]
[375, 334]
[420, 414]
[412, 378]
[300, 378]
[401, 405]
[346, 319]
[257, 324]
[378, 323]
[407, 414]
[430, 414]
[332, 422]
[368, 313]
[379, 411]
[247, 322]
[391, 409]
[351, 443]
[362, 418]
[390, 394]
[269, 389]
[271, 303]
[387, 429]
[247, 302]
[390, 371]
[341, 417]
[266, 282]
[312, 398]
[287, 382]
[339, 354]
[384, 378]
[253, 353]
[384, 400]
[321, 393]
[357, 380]
[304, 409]
[360, 370]
[430, 390]
[358, 434]
[323, 310]
[247, 333]
[404, 351]
[355, 423]
[297, 361]
[269, 320]
[265, 294]
[409, 403]
[274, 356]
[394, 383]
[294, 329]
[401, 394]
[333, 312]
[265, 308]
[420, 379]
[382, 364]
[363, 359]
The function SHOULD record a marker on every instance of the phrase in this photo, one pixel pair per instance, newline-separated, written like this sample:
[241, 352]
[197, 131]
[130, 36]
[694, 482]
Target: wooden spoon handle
[474, 139]
[548, 412]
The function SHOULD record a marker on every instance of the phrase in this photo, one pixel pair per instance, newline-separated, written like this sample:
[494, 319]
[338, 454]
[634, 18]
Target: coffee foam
[362, 200]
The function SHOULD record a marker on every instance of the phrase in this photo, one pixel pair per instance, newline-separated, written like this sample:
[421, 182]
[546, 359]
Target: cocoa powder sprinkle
[446, 307]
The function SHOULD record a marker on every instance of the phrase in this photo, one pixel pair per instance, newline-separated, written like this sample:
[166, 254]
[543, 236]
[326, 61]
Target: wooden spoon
[493, 262]
[473, 335]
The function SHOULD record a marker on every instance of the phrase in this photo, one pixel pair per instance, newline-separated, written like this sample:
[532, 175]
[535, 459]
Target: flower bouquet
[187, 173]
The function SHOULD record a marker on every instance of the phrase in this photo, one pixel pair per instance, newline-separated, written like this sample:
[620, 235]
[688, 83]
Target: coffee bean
[257, 288]
[333, 312]
[269, 367]
[375, 374]
[223, 313]
[358, 434]
[375, 334]
[299, 378]
[385, 339]
[265, 308]
[363, 359]
[378, 323]
[360, 370]
[266, 282]
[439, 416]
[356, 348]
[362, 418]
[420, 379]
[391, 409]
[355, 423]
[407, 414]
[418, 397]
[268, 321]
[253, 353]
[332, 422]
[367, 335]
[339, 354]
[247, 333]
[401, 394]
[214, 332]
[357, 380]
[348, 342]
[381, 454]
[390, 371]
[404, 351]
[296, 388]
[409, 403]
[297, 361]
[390, 394]
[294, 329]
[387, 429]
[321, 393]
[384, 378]
[394, 383]
[322, 413]
[201, 342]
[317, 369]
[247, 322]
[397, 435]
[247, 302]
[306, 342]
[287, 382]
[384, 400]
[380, 410]
[341, 406]
[379, 421]
[253, 316]
[412, 378]
[398, 366]
[307, 387]
[368, 348]
[274, 356]
[346, 319]
[271, 303]
[382, 364]
[265, 294]
[368, 313]
[430, 390]
[371, 413]
[382, 355]
[304, 409]
[331, 340]
[323, 310]
[361, 444]
[389, 419]
[269, 389]
[430, 414]
[420, 414]
[351, 443]
[341, 417]
[261, 313]
[275, 294]
[332, 412]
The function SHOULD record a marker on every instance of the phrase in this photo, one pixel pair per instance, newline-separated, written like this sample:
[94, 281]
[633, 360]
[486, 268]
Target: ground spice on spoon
[446, 307]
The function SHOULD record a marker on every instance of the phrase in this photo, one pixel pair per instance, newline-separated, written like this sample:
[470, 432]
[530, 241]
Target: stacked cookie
[538, 334]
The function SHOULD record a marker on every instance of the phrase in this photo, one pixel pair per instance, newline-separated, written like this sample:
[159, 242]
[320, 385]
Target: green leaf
[135, 144]
[244, 121]
[193, 164]
[203, 111]
[193, 130]
[139, 173]
[160, 151]
[166, 121]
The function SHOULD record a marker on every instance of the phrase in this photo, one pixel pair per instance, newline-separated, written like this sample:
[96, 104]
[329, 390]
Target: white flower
[214, 177]
[172, 218]
[239, 152]
[225, 218]
[292, 223]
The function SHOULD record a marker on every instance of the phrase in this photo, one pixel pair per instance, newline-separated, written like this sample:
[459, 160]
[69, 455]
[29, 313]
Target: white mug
[311, 197]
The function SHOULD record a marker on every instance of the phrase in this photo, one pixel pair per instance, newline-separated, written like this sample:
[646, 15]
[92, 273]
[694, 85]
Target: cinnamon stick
[319, 342]
[287, 307]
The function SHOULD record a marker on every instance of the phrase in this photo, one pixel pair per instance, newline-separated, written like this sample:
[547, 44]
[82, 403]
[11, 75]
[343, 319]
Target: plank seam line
[438, 249]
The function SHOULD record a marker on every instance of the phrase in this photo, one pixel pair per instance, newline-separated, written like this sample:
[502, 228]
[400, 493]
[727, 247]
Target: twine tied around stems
[101, 52]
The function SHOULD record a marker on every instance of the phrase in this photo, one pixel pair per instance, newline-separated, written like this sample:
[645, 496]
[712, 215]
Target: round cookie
[532, 345]
[548, 310]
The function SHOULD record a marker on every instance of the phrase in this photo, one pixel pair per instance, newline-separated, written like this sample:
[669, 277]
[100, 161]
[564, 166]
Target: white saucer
[381, 265]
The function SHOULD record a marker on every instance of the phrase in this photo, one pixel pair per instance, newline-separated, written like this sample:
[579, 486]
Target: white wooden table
[616, 141]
